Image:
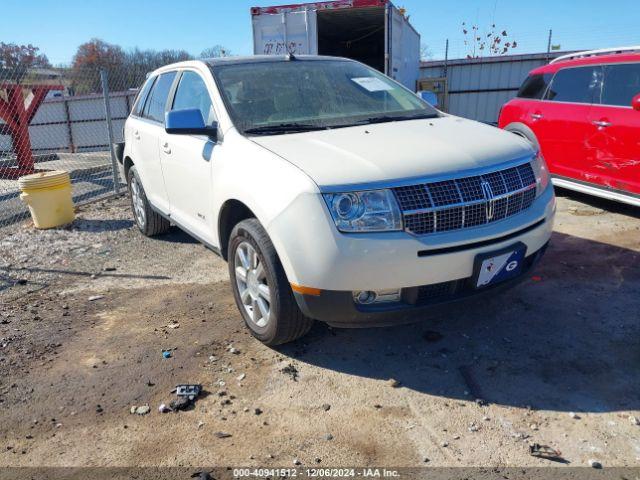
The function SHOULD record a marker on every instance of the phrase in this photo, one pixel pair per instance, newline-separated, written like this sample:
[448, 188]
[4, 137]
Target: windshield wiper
[284, 128]
[396, 118]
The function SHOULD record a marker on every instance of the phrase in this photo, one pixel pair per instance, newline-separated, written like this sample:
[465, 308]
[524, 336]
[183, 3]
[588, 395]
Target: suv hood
[396, 151]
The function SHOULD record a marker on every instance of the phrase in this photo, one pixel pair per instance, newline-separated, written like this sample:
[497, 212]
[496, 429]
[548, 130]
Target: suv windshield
[303, 95]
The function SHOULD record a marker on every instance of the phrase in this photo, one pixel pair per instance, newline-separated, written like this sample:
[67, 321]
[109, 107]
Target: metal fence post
[107, 110]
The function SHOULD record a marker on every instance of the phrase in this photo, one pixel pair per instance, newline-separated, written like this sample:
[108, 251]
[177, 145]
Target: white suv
[333, 192]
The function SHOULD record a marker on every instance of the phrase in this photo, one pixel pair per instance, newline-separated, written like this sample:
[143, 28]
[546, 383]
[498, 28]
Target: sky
[58, 27]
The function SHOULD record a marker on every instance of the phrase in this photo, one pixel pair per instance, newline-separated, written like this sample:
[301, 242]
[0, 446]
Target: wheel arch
[127, 163]
[232, 212]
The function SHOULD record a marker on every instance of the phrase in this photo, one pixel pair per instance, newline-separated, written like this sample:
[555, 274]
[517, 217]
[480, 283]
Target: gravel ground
[88, 310]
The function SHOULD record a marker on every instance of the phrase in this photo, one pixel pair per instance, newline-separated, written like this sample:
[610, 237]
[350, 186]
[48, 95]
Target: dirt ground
[86, 312]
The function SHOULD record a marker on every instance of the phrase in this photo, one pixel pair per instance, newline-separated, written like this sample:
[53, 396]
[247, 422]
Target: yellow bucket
[48, 195]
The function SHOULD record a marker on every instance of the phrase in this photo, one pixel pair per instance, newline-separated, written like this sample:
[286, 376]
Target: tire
[148, 220]
[284, 321]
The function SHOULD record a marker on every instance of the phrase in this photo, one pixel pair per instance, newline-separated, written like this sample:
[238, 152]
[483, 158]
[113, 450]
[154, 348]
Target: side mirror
[430, 97]
[635, 103]
[189, 122]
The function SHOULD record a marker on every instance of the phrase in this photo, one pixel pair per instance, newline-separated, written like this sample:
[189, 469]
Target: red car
[583, 112]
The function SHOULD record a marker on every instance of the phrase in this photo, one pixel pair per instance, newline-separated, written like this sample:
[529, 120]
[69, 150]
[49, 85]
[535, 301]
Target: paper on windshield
[372, 84]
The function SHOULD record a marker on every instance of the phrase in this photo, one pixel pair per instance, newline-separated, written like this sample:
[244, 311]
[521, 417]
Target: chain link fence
[62, 119]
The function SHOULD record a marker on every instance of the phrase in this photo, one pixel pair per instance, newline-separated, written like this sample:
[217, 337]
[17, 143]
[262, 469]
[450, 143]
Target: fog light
[379, 296]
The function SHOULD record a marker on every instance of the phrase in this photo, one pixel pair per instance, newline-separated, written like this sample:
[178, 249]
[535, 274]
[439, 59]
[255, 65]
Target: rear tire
[260, 287]
[147, 219]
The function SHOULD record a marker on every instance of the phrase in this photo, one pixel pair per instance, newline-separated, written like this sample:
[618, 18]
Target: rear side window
[142, 97]
[575, 85]
[535, 86]
[155, 107]
[621, 84]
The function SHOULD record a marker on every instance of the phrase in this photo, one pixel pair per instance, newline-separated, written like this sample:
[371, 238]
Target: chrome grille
[466, 202]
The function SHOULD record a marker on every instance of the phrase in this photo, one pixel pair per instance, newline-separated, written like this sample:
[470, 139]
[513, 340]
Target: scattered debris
[394, 383]
[188, 390]
[96, 297]
[292, 371]
[574, 415]
[444, 444]
[187, 394]
[233, 350]
[473, 427]
[142, 410]
[297, 462]
[544, 451]
[432, 336]
[166, 354]
[99, 408]
[241, 377]
[595, 464]
[258, 411]
[222, 435]
[326, 407]
[534, 426]
[634, 420]
[164, 408]
[173, 325]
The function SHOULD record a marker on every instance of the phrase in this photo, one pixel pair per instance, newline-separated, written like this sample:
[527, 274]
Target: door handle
[601, 123]
[537, 116]
[136, 135]
[166, 149]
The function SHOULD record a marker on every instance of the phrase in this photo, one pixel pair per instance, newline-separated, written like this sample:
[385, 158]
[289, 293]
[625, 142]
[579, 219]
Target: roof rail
[593, 53]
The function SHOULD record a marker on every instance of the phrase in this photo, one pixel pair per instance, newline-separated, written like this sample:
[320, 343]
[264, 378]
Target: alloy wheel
[138, 202]
[251, 280]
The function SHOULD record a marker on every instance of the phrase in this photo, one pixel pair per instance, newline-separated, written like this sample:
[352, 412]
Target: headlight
[542, 173]
[368, 211]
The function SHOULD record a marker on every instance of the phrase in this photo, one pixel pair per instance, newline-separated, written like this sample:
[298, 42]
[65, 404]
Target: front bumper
[337, 308]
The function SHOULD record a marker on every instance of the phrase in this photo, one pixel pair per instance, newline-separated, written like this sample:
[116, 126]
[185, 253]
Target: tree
[491, 42]
[16, 60]
[216, 51]
[92, 57]
[22, 56]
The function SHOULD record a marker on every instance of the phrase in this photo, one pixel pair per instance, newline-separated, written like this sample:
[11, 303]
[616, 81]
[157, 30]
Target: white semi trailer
[373, 32]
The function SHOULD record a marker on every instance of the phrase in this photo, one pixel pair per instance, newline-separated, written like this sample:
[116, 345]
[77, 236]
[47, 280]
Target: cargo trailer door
[404, 50]
[286, 32]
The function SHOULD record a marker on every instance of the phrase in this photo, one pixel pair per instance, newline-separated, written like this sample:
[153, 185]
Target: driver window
[192, 93]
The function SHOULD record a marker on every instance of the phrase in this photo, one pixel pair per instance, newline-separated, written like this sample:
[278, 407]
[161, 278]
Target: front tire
[260, 287]
[147, 219]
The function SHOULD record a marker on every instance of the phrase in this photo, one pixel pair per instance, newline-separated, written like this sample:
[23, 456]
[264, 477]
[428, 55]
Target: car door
[613, 142]
[561, 123]
[146, 134]
[187, 159]
[132, 136]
